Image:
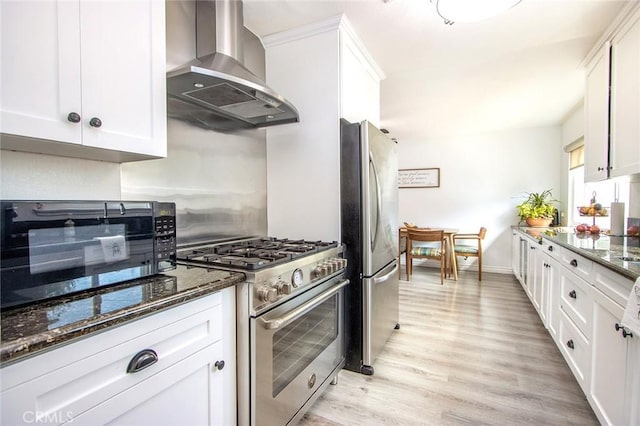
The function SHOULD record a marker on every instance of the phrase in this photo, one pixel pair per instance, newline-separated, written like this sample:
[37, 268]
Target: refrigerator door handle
[374, 240]
[385, 277]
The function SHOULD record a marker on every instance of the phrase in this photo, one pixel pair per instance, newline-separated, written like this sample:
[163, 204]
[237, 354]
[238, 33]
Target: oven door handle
[304, 308]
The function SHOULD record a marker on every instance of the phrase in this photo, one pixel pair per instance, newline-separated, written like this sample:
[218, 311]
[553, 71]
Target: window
[580, 192]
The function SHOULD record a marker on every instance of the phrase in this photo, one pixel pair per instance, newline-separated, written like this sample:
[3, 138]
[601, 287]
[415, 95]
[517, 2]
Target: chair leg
[480, 268]
[442, 264]
[408, 267]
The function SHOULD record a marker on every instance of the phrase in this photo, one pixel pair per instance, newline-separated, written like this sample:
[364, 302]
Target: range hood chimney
[215, 91]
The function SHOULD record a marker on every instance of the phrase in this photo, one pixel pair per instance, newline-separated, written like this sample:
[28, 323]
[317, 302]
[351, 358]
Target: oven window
[300, 342]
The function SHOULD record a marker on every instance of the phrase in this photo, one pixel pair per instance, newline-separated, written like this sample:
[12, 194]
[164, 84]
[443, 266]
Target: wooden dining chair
[463, 247]
[434, 249]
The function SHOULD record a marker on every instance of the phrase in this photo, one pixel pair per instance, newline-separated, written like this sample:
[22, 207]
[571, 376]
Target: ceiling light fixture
[471, 10]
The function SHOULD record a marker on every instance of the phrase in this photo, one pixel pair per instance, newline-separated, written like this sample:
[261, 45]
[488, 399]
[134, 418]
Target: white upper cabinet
[41, 70]
[596, 109]
[625, 100]
[86, 73]
[612, 100]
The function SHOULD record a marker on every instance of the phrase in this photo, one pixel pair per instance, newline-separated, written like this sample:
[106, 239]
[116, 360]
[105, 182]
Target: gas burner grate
[253, 254]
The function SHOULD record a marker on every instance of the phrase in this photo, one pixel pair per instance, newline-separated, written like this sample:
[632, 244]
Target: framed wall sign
[419, 178]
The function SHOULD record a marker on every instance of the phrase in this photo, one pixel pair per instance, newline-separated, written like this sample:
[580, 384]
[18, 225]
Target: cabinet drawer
[78, 376]
[576, 350]
[575, 263]
[576, 300]
[612, 284]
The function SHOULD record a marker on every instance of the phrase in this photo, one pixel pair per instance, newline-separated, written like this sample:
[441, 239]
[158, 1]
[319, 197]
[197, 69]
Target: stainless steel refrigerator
[369, 215]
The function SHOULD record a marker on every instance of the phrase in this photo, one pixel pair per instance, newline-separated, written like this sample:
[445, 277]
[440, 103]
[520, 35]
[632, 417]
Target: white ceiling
[517, 70]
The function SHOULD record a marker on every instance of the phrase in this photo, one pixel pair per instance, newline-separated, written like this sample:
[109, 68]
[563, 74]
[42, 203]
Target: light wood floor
[466, 354]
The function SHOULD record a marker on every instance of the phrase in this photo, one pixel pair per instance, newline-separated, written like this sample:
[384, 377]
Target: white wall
[573, 125]
[482, 177]
[46, 177]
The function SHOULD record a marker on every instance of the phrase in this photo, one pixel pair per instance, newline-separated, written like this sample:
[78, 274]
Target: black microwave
[55, 248]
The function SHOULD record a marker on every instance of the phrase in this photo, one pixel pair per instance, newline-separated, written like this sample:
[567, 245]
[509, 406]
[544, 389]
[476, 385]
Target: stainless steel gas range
[290, 321]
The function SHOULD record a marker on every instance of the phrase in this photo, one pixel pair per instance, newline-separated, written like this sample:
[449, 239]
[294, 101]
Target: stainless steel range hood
[215, 91]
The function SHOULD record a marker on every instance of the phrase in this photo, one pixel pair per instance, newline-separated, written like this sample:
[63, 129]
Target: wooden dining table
[448, 236]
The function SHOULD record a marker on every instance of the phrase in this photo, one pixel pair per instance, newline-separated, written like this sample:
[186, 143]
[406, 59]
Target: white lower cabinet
[575, 348]
[552, 285]
[537, 287]
[91, 381]
[581, 303]
[187, 393]
[609, 364]
[576, 300]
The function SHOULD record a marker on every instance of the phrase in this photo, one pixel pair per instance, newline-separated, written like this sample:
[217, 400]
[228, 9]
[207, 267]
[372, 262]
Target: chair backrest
[417, 234]
[482, 233]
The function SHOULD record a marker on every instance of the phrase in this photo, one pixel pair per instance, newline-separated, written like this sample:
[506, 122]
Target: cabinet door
[596, 108]
[40, 69]
[625, 100]
[608, 363]
[515, 254]
[531, 276]
[633, 387]
[162, 399]
[123, 75]
[553, 296]
[538, 262]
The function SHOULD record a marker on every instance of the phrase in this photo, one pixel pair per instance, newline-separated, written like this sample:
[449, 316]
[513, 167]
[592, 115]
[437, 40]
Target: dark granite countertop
[620, 254]
[31, 329]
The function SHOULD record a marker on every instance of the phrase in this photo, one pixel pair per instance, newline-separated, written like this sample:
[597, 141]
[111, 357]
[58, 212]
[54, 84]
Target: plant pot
[538, 222]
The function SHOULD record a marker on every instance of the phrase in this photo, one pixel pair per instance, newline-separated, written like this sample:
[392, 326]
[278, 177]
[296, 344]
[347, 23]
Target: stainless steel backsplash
[217, 180]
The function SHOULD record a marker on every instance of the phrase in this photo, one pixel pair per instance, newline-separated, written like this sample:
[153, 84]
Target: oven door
[298, 347]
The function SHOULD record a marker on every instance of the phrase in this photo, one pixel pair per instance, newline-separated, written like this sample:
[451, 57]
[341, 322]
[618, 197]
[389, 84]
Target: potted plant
[538, 209]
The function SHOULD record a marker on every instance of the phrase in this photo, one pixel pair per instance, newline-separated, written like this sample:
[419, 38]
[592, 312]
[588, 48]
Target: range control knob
[283, 287]
[316, 272]
[267, 294]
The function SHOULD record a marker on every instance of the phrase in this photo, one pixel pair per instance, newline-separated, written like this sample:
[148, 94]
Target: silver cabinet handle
[73, 117]
[142, 360]
[303, 309]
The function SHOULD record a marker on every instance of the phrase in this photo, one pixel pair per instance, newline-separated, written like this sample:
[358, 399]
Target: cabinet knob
[142, 360]
[73, 117]
[574, 262]
[95, 122]
[550, 248]
[219, 364]
[570, 344]
[600, 169]
[573, 295]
